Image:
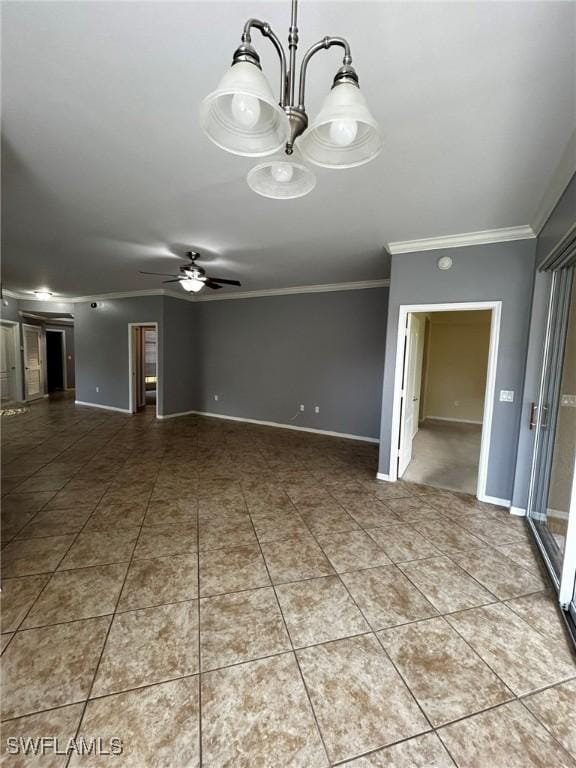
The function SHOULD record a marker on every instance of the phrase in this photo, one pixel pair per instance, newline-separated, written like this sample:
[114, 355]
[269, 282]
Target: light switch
[569, 400]
[506, 396]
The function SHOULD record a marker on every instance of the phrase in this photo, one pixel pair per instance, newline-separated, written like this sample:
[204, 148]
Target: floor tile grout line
[547, 729]
[294, 654]
[199, 615]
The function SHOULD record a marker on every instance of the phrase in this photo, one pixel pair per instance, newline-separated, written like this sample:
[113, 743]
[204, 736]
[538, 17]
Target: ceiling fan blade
[162, 274]
[225, 282]
[210, 284]
[176, 280]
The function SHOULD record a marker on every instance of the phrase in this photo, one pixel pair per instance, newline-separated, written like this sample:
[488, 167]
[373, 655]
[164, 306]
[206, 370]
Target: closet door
[33, 363]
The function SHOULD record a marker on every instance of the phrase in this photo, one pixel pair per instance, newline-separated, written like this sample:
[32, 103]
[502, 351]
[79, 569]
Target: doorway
[33, 362]
[444, 393]
[143, 353]
[9, 355]
[55, 360]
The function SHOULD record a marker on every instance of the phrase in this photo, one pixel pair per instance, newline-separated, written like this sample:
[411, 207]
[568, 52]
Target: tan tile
[258, 714]
[359, 699]
[160, 580]
[228, 529]
[414, 509]
[555, 708]
[447, 678]
[507, 736]
[231, 569]
[172, 512]
[16, 598]
[352, 551]
[55, 522]
[448, 536]
[158, 725]
[386, 597]
[147, 646]
[273, 525]
[445, 584]
[519, 655]
[295, 559]
[86, 496]
[5, 639]
[241, 627]
[110, 516]
[26, 502]
[29, 556]
[128, 492]
[319, 610]
[60, 724]
[53, 482]
[100, 548]
[523, 553]
[371, 513]
[51, 666]
[161, 541]
[541, 611]
[493, 528]
[426, 751]
[402, 543]
[331, 519]
[11, 522]
[502, 576]
[78, 594]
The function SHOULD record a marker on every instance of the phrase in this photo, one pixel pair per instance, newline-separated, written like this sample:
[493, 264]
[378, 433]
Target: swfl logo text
[53, 745]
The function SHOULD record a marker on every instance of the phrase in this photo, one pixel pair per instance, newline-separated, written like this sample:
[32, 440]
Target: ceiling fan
[194, 277]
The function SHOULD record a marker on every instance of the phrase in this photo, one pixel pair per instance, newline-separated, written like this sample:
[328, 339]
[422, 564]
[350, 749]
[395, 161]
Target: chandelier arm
[324, 44]
[267, 31]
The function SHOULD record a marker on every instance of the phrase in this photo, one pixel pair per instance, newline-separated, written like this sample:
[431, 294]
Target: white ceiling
[106, 170]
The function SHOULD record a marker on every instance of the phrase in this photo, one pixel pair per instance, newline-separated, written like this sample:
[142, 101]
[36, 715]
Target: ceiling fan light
[344, 134]
[281, 179]
[192, 284]
[242, 116]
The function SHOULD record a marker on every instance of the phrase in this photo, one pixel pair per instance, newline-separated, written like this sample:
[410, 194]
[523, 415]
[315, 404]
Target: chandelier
[242, 116]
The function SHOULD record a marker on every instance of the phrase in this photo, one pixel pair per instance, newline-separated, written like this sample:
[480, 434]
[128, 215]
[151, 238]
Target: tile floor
[220, 594]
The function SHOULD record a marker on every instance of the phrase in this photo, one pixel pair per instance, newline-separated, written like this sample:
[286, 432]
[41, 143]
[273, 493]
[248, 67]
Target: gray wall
[264, 356]
[181, 363]
[102, 347]
[503, 271]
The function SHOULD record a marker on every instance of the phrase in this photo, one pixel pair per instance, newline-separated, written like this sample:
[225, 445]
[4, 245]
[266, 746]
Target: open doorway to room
[56, 360]
[143, 340]
[444, 393]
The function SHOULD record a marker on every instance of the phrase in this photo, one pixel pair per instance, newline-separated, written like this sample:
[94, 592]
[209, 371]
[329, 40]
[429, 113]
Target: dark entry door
[54, 360]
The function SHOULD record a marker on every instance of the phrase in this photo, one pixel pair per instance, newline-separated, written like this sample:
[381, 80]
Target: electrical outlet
[569, 400]
[97, 389]
[456, 403]
[301, 406]
[316, 409]
[506, 396]
[216, 397]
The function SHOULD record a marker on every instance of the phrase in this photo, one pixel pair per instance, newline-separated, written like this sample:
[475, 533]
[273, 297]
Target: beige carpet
[446, 454]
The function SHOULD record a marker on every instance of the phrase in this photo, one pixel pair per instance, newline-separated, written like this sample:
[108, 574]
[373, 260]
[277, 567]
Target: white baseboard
[176, 415]
[495, 500]
[518, 511]
[446, 418]
[382, 476]
[277, 424]
[103, 407]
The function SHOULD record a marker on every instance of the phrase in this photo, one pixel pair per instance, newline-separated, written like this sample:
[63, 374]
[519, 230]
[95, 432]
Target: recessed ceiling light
[43, 294]
[444, 262]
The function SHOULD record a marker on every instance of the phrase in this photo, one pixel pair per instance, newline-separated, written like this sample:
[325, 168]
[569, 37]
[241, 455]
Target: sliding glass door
[552, 504]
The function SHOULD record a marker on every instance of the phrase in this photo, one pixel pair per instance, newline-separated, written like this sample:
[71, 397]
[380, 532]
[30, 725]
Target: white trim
[518, 511]
[323, 288]
[42, 354]
[490, 391]
[18, 358]
[556, 185]
[566, 592]
[495, 500]
[130, 367]
[382, 476]
[278, 424]
[448, 418]
[103, 407]
[481, 237]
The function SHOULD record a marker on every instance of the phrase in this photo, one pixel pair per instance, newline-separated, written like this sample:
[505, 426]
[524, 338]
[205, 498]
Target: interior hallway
[221, 594]
[445, 454]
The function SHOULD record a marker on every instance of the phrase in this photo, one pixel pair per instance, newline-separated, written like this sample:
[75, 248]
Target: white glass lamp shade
[344, 133]
[192, 284]
[242, 116]
[281, 179]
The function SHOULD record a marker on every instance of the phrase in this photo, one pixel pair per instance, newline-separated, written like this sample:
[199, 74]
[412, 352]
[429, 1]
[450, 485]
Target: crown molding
[557, 184]
[481, 237]
[328, 287]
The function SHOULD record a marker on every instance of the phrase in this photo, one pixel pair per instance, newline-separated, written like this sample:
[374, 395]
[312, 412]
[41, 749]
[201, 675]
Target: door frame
[458, 306]
[42, 351]
[132, 399]
[17, 358]
[64, 359]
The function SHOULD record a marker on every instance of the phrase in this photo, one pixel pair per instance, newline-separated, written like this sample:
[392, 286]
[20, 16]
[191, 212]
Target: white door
[33, 365]
[413, 354]
[8, 384]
